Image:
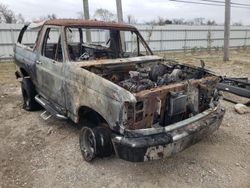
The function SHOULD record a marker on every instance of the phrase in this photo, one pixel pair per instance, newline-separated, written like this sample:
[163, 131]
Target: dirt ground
[38, 153]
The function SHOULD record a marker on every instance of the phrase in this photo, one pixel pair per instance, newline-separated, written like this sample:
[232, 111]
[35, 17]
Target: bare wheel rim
[88, 144]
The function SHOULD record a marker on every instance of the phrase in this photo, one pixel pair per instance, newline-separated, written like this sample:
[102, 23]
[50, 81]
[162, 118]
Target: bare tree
[237, 24]
[178, 21]
[150, 32]
[152, 22]
[20, 19]
[104, 15]
[167, 21]
[51, 16]
[160, 21]
[80, 15]
[189, 22]
[131, 19]
[48, 17]
[199, 21]
[211, 22]
[6, 15]
[182, 21]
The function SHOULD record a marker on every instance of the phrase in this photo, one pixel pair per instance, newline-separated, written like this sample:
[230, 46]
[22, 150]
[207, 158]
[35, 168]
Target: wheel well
[90, 115]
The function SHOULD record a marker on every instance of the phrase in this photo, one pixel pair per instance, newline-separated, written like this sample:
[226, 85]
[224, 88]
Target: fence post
[12, 40]
[185, 40]
[245, 41]
[131, 42]
[161, 37]
[99, 37]
[209, 41]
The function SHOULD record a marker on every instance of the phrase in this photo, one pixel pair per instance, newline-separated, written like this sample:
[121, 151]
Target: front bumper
[155, 143]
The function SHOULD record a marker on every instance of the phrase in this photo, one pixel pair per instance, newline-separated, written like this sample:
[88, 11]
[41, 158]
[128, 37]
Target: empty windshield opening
[103, 44]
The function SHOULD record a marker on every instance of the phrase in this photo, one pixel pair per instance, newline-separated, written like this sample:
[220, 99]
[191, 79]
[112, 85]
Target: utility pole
[86, 17]
[120, 20]
[119, 10]
[227, 29]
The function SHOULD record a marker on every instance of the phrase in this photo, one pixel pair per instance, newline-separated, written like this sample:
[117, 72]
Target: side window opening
[133, 45]
[28, 36]
[52, 48]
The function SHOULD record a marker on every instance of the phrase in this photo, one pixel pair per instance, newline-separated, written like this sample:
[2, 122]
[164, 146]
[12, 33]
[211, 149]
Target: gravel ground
[38, 153]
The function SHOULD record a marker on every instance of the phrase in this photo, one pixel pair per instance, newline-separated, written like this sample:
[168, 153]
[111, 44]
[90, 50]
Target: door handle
[38, 62]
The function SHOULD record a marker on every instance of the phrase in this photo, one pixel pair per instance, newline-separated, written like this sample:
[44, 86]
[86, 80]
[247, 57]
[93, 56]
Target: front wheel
[95, 142]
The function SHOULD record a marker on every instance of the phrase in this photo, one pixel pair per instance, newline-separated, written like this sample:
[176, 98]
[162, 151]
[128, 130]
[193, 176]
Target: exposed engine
[167, 105]
[142, 77]
[157, 76]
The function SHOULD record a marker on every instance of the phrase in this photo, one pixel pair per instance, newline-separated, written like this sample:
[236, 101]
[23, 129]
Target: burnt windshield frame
[139, 36]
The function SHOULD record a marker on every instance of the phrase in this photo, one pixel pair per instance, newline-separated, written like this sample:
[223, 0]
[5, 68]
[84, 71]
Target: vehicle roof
[88, 23]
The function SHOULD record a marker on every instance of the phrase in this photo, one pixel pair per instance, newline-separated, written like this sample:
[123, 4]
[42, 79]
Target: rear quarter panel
[25, 58]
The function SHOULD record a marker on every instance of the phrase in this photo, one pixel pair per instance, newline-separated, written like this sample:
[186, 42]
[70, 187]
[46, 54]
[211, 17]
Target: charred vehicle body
[126, 100]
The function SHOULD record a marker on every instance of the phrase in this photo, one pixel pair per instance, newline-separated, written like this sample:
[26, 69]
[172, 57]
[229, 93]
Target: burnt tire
[29, 93]
[95, 142]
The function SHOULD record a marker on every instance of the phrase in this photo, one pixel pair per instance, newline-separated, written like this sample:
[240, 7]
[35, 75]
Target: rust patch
[89, 23]
[176, 87]
[150, 98]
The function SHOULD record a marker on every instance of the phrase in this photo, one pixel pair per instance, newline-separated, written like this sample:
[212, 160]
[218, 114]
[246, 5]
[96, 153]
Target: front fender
[84, 88]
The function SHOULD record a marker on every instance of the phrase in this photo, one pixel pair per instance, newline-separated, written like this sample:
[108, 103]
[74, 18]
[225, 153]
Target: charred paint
[135, 96]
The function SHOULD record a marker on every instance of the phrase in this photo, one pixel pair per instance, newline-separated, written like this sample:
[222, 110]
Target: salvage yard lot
[38, 153]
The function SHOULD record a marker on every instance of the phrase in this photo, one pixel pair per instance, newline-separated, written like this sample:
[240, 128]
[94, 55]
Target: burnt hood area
[142, 76]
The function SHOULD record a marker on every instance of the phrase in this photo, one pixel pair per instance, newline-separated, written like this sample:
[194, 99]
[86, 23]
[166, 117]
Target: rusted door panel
[50, 77]
[25, 58]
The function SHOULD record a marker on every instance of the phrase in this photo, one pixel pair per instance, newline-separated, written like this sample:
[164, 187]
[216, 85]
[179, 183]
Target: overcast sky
[142, 10]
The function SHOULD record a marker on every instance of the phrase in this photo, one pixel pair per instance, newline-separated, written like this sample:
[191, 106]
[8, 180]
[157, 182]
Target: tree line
[8, 16]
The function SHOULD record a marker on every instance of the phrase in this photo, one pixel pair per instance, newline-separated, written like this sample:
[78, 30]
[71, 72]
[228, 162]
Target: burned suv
[104, 77]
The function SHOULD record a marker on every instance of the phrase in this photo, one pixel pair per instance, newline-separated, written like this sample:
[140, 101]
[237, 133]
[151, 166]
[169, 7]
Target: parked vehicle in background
[126, 100]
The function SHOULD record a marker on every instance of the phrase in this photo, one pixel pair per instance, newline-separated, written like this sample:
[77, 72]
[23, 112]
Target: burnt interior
[90, 51]
[108, 45]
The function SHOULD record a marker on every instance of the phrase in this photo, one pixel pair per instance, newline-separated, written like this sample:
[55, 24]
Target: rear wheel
[29, 93]
[95, 142]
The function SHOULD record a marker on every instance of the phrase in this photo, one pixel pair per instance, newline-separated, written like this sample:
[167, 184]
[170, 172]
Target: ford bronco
[104, 77]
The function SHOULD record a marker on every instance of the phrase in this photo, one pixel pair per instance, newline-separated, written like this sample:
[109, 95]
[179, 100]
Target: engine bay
[166, 91]
[143, 76]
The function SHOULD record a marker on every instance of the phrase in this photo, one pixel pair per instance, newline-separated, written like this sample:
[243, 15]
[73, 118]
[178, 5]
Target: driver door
[50, 67]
